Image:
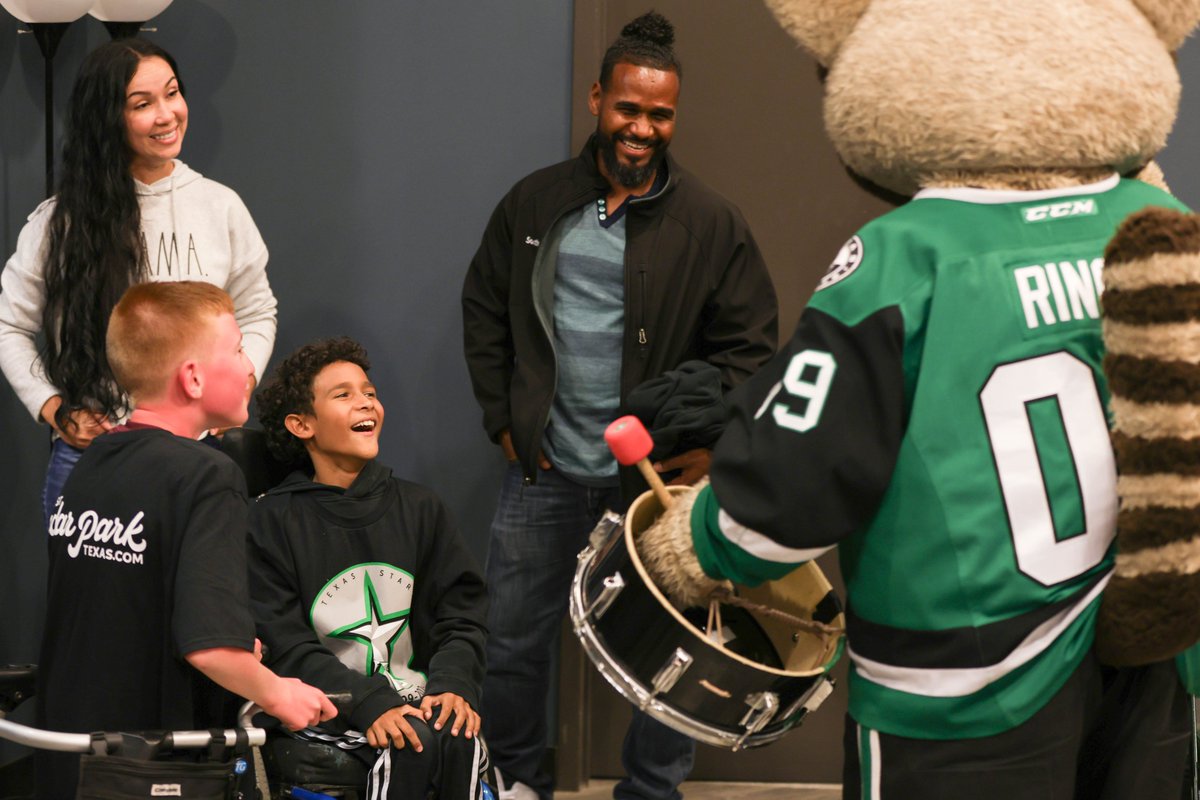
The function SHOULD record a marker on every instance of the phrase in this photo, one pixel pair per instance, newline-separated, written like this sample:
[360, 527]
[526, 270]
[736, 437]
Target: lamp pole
[48, 35]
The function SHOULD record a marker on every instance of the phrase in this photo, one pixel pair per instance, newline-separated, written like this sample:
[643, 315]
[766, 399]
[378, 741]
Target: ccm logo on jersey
[1068, 208]
[846, 261]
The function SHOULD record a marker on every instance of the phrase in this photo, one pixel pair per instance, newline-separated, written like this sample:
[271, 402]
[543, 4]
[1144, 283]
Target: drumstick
[630, 442]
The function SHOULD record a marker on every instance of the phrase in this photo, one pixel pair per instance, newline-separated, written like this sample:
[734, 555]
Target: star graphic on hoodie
[377, 631]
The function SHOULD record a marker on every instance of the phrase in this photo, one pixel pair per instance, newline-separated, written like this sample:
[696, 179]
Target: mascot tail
[1151, 608]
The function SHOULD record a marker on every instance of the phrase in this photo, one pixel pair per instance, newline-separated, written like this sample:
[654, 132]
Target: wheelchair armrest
[17, 684]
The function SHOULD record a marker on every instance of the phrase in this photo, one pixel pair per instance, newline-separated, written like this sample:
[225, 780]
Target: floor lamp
[124, 18]
[48, 20]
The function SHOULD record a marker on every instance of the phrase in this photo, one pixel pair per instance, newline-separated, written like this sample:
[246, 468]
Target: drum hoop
[667, 604]
[629, 687]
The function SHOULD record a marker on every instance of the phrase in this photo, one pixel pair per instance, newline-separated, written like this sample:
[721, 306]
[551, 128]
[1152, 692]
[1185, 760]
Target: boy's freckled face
[347, 415]
[227, 376]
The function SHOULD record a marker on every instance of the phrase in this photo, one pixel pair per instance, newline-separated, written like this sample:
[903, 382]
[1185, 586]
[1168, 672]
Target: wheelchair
[247, 762]
[119, 765]
[270, 764]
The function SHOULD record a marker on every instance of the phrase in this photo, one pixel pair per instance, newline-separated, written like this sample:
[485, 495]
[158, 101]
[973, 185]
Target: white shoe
[517, 791]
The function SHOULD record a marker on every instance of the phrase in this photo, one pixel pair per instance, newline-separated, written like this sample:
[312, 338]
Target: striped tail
[1151, 608]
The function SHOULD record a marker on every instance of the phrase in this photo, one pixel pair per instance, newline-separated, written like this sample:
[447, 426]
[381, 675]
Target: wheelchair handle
[251, 714]
[83, 742]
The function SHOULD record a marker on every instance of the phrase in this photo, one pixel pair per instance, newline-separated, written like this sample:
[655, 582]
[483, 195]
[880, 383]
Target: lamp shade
[47, 10]
[126, 10]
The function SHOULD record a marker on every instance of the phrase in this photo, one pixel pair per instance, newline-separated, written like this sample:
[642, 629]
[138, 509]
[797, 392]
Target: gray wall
[370, 140]
[1181, 160]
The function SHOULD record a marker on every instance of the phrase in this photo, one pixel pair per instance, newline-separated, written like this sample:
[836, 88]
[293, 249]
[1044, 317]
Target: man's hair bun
[651, 27]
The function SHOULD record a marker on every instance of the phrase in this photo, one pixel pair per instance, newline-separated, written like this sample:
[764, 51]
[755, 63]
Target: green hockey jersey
[940, 415]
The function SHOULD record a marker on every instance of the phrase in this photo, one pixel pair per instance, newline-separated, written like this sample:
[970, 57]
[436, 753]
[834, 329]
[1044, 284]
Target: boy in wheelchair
[147, 605]
[361, 584]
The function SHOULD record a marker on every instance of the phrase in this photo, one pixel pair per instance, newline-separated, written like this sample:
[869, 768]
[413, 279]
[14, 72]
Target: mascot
[941, 412]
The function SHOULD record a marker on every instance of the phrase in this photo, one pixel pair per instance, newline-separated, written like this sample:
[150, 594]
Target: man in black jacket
[594, 276]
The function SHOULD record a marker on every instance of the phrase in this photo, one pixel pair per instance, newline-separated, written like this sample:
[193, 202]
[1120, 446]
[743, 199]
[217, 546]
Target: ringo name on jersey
[1059, 291]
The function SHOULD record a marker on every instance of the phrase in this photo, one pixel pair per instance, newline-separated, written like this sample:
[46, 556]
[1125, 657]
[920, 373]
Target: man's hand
[82, 425]
[298, 705]
[464, 715]
[694, 465]
[511, 454]
[506, 445]
[392, 728]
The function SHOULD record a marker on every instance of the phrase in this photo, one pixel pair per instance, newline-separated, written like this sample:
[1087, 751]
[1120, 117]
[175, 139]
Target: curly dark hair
[646, 42]
[289, 390]
[94, 247]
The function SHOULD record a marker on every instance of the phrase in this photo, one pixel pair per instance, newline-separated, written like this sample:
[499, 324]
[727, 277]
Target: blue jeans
[535, 537]
[62, 460]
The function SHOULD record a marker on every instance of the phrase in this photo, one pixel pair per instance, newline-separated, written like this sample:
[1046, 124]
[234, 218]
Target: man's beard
[628, 175]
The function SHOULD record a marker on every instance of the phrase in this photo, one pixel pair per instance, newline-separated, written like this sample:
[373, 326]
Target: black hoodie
[369, 590]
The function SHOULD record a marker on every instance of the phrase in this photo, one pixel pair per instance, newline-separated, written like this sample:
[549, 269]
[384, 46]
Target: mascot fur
[1023, 95]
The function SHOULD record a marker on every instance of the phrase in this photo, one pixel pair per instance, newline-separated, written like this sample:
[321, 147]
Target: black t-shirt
[147, 564]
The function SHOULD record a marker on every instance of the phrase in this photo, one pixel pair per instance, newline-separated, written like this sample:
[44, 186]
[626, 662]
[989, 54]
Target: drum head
[804, 593]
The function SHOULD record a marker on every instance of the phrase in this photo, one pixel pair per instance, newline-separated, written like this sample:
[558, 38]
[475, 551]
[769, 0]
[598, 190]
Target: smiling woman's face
[155, 119]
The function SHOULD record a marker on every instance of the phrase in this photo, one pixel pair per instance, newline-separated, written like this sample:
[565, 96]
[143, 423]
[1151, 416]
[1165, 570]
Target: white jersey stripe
[760, 546]
[876, 765]
[962, 682]
[998, 196]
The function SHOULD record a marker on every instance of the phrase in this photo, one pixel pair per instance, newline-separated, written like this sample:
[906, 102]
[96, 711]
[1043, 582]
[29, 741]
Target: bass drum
[746, 682]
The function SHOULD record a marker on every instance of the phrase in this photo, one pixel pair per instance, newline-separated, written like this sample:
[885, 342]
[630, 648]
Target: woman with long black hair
[126, 211]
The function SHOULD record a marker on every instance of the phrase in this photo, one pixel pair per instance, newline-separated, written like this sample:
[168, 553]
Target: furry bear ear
[820, 26]
[1173, 19]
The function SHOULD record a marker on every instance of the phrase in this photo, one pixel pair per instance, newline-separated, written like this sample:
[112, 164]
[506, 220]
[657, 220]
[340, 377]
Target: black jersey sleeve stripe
[812, 488]
[952, 648]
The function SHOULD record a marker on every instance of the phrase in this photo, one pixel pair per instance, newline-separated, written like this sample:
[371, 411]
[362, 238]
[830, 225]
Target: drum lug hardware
[818, 694]
[613, 585]
[810, 700]
[763, 706]
[670, 673]
[604, 529]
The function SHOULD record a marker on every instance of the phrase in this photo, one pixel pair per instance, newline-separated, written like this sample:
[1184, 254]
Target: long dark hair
[94, 249]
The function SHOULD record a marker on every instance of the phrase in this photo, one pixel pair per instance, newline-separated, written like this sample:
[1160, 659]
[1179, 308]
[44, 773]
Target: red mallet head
[628, 439]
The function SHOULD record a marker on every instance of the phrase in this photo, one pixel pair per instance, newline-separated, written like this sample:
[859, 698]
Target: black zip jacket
[369, 590]
[696, 287]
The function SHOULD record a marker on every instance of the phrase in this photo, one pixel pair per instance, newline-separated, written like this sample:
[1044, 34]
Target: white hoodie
[192, 228]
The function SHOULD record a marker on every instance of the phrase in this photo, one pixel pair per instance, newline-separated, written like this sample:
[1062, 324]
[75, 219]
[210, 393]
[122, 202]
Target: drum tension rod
[613, 585]
[667, 676]
[763, 706]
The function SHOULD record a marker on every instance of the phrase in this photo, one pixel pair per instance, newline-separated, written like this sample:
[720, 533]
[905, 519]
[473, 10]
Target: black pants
[448, 767]
[1107, 735]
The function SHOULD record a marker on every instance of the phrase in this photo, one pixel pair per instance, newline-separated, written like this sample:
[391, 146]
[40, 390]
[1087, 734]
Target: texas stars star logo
[362, 616]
